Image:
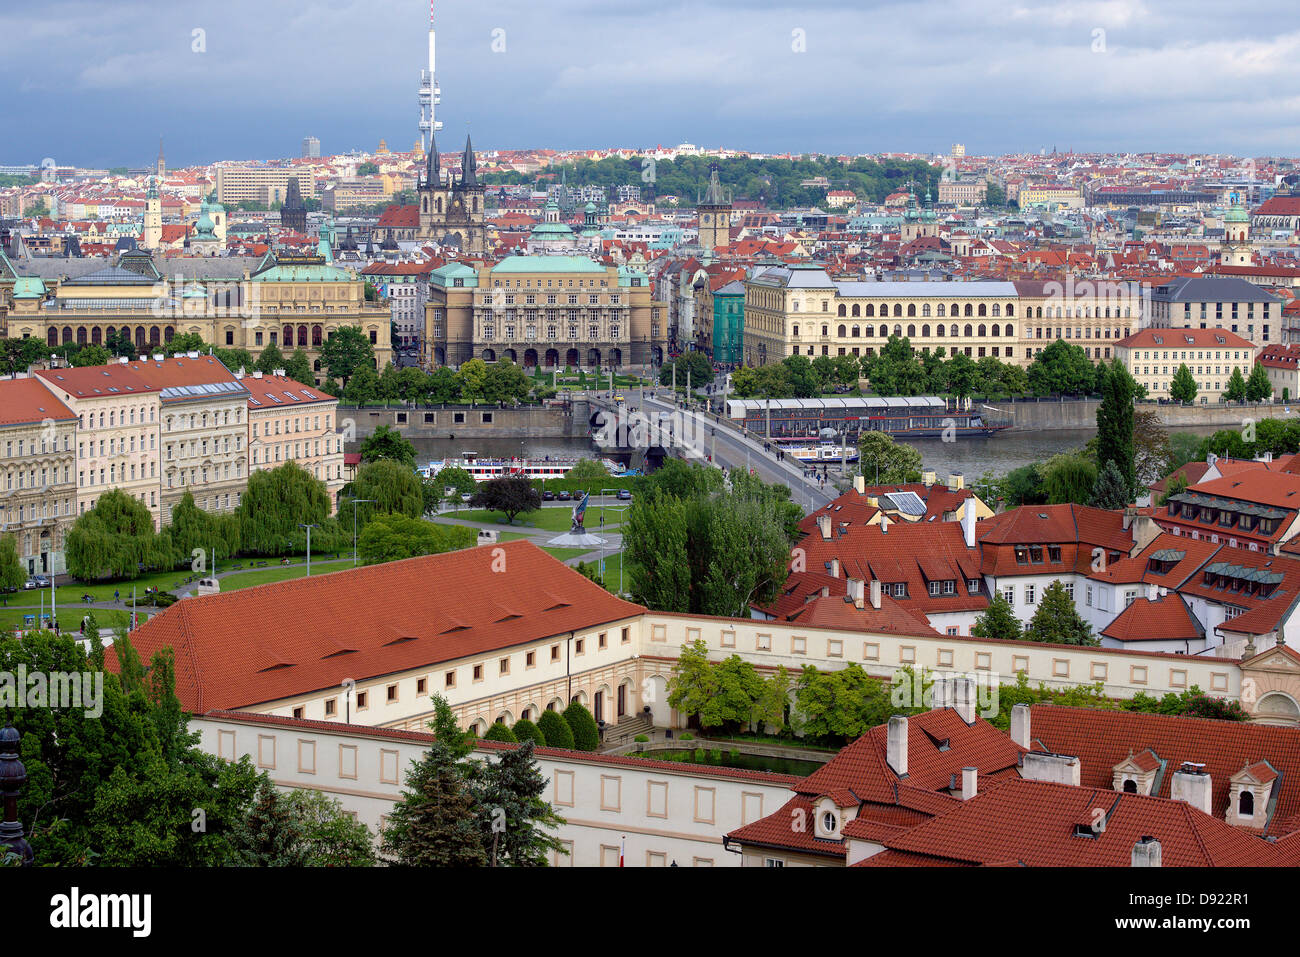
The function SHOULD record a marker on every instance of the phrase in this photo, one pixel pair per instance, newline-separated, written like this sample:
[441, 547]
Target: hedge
[525, 730]
[556, 730]
[586, 736]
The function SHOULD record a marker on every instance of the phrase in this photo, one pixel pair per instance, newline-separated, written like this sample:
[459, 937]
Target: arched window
[1039, 313]
[857, 310]
[997, 310]
[995, 329]
[843, 330]
[968, 310]
[911, 330]
[1009, 333]
[869, 311]
[953, 330]
[1246, 803]
[983, 311]
[898, 309]
[925, 331]
[969, 332]
[1011, 309]
[981, 332]
[911, 309]
[940, 311]
[795, 331]
[925, 309]
[1130, 786]
[898, 331]
[843, 310]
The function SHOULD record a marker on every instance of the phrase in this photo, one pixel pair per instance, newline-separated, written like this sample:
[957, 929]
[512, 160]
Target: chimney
[192, 354]
[969, 778]
[1146, 852]
[1153, 591]
[896, 751]
[928, 479]
[963, 699]
[824, 523]
[1210, 459]
[875, 593]
[1130, 513]
[968, 523]
[859, 484]
[856, 587]
[884, 524]
[280, 373]
[1020, 725]
[1191, 783]
[835, 568]
[956, 482]
[1053, 768]
[157, 357]
[257, 373]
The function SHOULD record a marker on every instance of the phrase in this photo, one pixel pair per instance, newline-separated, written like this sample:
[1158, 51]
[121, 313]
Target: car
[564, 496]
[465, 497]
[30, 584]
[42, 581]
[548, 496]
[625, 495]
[618, 397]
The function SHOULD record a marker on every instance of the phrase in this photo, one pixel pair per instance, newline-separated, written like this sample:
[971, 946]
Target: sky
[93, 83]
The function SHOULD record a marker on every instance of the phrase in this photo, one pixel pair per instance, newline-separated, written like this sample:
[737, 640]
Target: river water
[972, 456]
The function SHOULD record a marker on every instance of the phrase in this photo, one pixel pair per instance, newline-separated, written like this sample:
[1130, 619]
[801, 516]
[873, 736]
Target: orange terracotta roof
[26, 402]
[295, 637]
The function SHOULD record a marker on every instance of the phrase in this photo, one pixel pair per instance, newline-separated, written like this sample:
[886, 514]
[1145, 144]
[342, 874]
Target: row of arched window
[941, 309]
[844, 331]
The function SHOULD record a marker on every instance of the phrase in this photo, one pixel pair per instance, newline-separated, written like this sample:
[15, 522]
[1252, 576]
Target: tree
[367, 169]
[1115, 423]
[298, 367]
[769, 712]
[393, 537]
[511, 495]
[114, 538]
[587, 470]
[513, 811]
[91, 355]
[586, 736]
[390, 486]
[961, 372]
[1173, 487]
[434, 824]
[346, 352]
[1110, 490]
[1258, 388]
[555, 729]
[362, 388]
[1182, 387]
[841, 705]
[301, 828]
[387, 443]
[457, 479]
[998, 623]
[719, 695]
[443, 386]
[185, 342]
[1057, 622]
[12, 573]
[803, 380]
[269, 360]
[1235, 389]
[1062, 368]
[500, 732]
[1153, 453]
[1068, 477]
[472, 378]
[886, 462]
[525, 730]
[276, 502]
[506, 382]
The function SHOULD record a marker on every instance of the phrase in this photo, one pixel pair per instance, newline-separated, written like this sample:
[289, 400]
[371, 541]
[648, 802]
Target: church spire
[713, 194]
[432, 167]
[468, 169]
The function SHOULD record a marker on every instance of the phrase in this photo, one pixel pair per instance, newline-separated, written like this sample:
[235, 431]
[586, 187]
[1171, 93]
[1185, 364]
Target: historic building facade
[452, 214]
[543, 310]
[39, 493]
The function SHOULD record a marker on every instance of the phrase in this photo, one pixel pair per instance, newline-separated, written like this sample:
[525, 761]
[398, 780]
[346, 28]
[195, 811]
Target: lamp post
[355, 503]
[309, 528]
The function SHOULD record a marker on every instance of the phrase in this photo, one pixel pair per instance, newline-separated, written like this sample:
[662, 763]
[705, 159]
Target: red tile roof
[98, 381]
[26, 401]
[295, 637]
[1102, 739]
[1166, 619]
[287, 392]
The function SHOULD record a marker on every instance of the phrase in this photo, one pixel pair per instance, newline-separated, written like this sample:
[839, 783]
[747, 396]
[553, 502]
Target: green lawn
[564, 554]
[548, 519]
[612, 565]
[70, 617]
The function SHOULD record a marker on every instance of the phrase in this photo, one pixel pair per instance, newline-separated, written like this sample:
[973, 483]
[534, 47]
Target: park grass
[547, 519]
[70, 617]
[566, 554]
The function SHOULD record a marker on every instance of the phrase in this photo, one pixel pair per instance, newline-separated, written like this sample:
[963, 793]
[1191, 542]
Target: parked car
[30, 584]
[564, 496]
[465, 497]
[548, 496]
[42, 581]
[625, 494]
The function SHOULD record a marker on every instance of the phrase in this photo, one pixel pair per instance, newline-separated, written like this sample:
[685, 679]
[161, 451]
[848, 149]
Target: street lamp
[309, 528]
[355, 503]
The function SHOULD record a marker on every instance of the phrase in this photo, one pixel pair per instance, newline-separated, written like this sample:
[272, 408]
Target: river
[972, 457]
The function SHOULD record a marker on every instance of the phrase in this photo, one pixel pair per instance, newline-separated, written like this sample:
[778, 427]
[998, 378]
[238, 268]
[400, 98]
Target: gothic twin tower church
[452, 213]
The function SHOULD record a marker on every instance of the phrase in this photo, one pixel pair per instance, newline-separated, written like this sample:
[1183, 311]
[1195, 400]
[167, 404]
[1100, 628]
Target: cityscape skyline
[736, 77]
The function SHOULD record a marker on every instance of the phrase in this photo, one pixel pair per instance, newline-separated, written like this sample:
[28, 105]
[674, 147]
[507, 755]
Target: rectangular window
[449, 679]
[478, 672]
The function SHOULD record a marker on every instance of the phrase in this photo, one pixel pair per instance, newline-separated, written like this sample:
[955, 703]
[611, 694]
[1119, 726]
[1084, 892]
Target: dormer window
[830, 822]
[1246, 803]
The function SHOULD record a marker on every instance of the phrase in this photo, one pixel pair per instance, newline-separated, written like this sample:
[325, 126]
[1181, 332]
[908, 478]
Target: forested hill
[773, 182]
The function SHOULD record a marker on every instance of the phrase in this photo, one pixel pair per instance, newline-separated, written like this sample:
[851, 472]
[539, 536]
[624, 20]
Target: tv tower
[430, 95]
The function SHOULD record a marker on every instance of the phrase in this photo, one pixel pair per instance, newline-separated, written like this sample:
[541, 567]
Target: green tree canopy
[886, 462]
[346, 352]
[388, 443]
[1056, 621]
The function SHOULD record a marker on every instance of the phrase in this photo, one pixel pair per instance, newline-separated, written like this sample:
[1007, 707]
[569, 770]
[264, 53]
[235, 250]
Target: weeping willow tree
[275, 506]
[193, 528]
[114, 539]
[392, 488]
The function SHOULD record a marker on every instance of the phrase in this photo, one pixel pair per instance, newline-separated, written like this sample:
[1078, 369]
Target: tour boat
[483, 470]
[827, 452]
